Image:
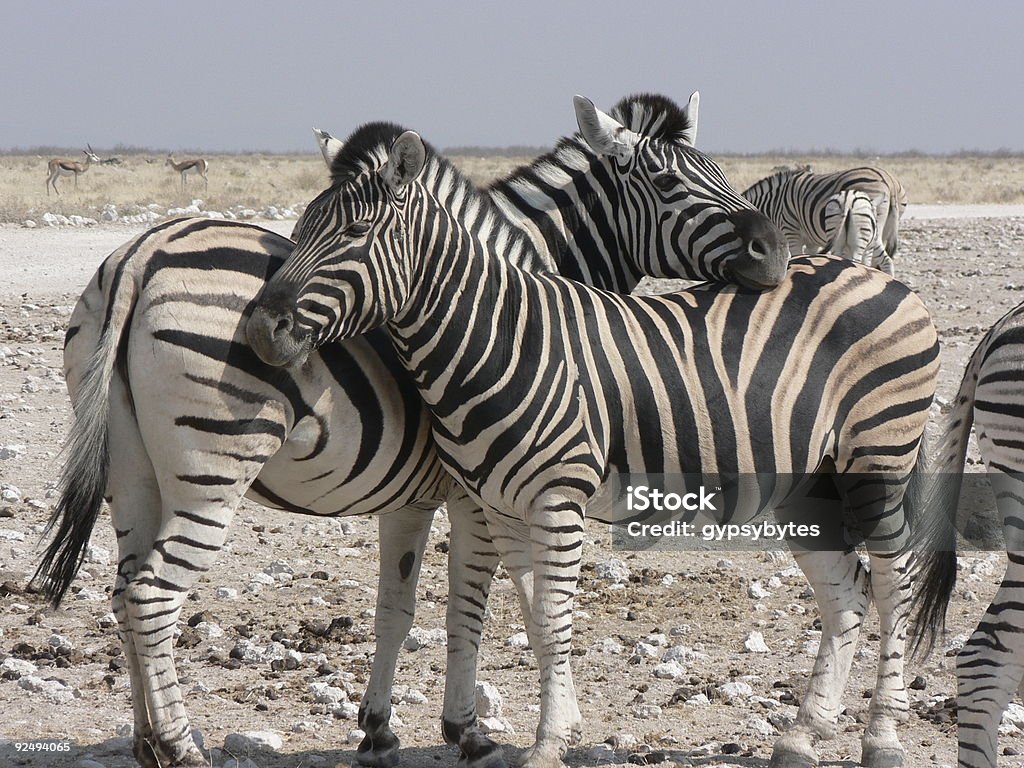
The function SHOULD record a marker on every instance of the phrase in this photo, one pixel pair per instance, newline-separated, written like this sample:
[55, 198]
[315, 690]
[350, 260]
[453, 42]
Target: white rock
[755, 643]
[488, 700]
[734, 691]
[413, 696]
[262, 578]
[613, 570]
[494, 725]
[347, 711]
[609, 645]
[601, 753]
[304, 726]
[1014, 715]
[29, 224]
[91, 595]
[421, 638]
[58, 641]
[9, 493]
[682, 653]
[18, 666]
[658, 639]
[646, 650]
[759, 725]
[356, 736]
[209, 630]
[518, 640]
[227, 593]
[647, 711]
[252, 741]
[669, 670]
[10, 535]
[700, 700]
[624, 741]
[756, 591]
[53, 691]
[97, 555]
[325, 693]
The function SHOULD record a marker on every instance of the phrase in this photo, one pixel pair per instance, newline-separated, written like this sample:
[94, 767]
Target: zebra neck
[565, 202]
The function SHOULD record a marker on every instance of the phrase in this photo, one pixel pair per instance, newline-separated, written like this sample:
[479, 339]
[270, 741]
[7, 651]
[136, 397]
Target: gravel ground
[965, 262]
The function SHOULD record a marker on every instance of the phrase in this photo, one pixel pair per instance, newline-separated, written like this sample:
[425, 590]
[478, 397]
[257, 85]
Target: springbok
[58, 167]
[196, 165]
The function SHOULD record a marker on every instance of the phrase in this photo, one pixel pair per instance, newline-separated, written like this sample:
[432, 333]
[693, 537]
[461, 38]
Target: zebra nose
[272, 332]
[765, 255]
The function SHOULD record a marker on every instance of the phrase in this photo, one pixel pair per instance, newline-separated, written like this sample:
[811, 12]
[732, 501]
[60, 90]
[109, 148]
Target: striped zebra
[990, 666]
[796, 199]
[204, 422]
[541, 388]
[850, 219]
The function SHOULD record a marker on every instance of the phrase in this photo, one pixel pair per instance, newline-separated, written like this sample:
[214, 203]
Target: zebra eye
[357, 228]
[666, 182]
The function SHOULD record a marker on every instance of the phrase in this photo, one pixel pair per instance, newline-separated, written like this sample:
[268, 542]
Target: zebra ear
[604, 134]
[329, 146]
[405, 160]
[690, 113]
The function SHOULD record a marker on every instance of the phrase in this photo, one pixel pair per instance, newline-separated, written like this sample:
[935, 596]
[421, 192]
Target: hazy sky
[884, 76]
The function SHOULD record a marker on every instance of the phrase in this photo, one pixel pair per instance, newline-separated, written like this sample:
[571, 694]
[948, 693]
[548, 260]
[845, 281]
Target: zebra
[541, 387]
[990, 666]
[796, 199]
[204, 422]
[850, 220]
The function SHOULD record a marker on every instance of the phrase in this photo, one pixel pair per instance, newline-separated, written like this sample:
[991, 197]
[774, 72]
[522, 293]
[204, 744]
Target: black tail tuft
[84, 480]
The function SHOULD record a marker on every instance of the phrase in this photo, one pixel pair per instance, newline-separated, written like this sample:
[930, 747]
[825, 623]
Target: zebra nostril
[284, 324]
[757, 249]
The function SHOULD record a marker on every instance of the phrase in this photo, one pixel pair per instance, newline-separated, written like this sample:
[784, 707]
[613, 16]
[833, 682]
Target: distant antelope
[197, 165]
[58, 168]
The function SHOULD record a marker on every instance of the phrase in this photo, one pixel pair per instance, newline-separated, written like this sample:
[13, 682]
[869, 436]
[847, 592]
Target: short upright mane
[654, 116]
[366, 148]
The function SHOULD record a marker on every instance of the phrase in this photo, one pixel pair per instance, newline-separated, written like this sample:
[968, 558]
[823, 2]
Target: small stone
[919, 683]
[518, 640]
[252, 741]
[755, 643]
[346, 711]
[613, 570]
[646, 650]
[734, 691]
[356, 736]
[756, 591]
[421, 638]
[647, 711]
[17, 667]
[227, 593]
[669, 670]
[488, 700]
[413, 696]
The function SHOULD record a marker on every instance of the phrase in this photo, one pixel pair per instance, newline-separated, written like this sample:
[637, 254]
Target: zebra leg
[472, 559]
[841, 589]
[991, 664]
[136, 513]
[553, 554]
[403, 537]
[891, 589]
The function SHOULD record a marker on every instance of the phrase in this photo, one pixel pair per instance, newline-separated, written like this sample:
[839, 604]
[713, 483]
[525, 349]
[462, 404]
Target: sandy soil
[967, 265]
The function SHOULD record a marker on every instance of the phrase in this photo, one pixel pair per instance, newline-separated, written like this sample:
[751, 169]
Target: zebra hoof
[478, 751]
[882, 757]
[381, 752]
[785, 758]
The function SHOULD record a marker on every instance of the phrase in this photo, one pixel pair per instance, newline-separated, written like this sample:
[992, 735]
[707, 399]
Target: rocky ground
[277, 638]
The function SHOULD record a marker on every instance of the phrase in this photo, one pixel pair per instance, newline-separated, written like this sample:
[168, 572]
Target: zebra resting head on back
[540, 388]
[796, 199]
[990, 665]
[192, 421]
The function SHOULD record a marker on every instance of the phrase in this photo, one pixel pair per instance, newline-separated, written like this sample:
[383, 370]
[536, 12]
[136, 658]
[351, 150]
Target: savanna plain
[304, 588]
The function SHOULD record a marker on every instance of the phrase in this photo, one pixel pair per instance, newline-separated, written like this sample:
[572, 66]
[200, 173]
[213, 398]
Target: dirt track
[969, 271]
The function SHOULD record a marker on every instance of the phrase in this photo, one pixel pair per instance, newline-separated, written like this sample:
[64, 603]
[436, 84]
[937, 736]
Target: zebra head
[346, 276]
[678, 215]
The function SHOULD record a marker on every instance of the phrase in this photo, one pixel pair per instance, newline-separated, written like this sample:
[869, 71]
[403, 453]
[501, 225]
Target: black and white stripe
[797, 200]
[990, 666]
[540, 387]
[204, 422]
[850, 219]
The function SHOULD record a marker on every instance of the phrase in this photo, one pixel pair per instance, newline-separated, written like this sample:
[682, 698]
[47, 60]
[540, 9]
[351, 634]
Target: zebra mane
[649, 114]
[366, 149]
[653, 115]
[790, 170]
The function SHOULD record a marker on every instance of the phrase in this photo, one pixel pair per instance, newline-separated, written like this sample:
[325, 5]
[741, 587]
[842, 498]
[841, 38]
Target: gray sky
[935, 76]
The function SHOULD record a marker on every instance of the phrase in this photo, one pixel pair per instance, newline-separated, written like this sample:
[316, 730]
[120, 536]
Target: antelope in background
[58, 167]
[197, 165]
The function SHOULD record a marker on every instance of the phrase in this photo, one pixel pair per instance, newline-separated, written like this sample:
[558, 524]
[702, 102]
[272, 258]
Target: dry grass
[258, 181]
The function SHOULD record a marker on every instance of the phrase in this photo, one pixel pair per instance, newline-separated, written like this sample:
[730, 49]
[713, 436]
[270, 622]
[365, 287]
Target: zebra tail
[933, 495]
[86, 458]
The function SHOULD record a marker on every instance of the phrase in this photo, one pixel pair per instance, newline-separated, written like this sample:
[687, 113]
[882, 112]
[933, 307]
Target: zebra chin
[274, 337]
